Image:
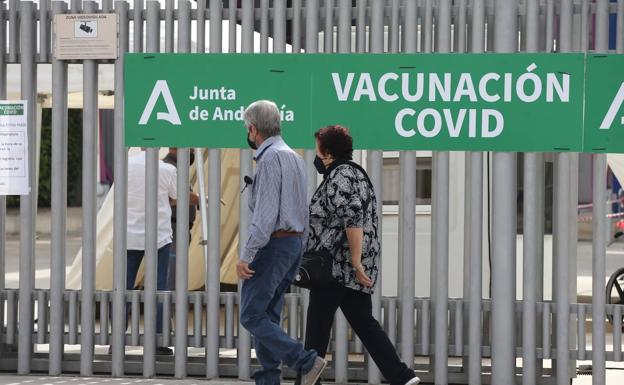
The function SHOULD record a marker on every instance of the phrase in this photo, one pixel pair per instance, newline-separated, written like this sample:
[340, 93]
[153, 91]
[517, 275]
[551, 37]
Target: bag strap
[370, 184]
[357, 166]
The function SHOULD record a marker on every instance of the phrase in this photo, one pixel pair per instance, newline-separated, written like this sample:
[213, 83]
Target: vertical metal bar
[402, 13]
[440, 223]
[214, 225]
[311, 46]
[107, 5]
[233, 23]
[59, 204]
[532, 26]
[244, 346]
[229, 321]
[375, 171]
[3, 88]
[340, 357]
[279, 26]
[576, 28]
[393, 27]
[408, 219]
[296, 26]
[89, 210]
[459, 318]
[439, 263]
[504, 226]
[120, 198]
[561, 236]
[14, 29]
[424, 327]
[42, 325]
[165, 298]
[104, 306]
[532, 245]
[27, 202]
[550, 25]
[617, 333]
[599, 246]
[264, 25]
[580, 314]
[136, 316]
[391, 320]
[475, 220]
[11, 317]
[585, 25]
[533, 223]
[328, 43]
[73, 317]
[361, 26]
[475, 193]
[197, 319]
[546, 331]
[491, 29]
[214, 262]
[428, 27]
[293, 317]
[460, 27]
[201, 26]
[151, 217]
[101, 303]
[244, 338]
[76, 6]
[44, 30]
[344, 27]
[137, 25]
[182, 213]
[169, 32]
[617, 312]
[619, 39]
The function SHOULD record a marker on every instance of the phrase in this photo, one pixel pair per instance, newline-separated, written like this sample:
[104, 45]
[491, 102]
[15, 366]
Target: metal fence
[466, 340]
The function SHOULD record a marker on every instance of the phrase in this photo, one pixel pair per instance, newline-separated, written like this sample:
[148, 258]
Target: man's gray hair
[265, 115]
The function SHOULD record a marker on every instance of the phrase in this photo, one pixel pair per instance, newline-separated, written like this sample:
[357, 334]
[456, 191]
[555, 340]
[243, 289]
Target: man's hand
[243, 270]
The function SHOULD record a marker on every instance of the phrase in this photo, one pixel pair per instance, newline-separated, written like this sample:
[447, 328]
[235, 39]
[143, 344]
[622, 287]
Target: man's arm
[268, 179]
[193, 200]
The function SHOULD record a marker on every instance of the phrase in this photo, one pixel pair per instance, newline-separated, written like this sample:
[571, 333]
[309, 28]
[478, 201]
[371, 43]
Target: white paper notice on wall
[85, 36]
[14, 148]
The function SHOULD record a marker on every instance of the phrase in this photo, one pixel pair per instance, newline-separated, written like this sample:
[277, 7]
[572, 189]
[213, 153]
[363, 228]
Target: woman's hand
[362, 278]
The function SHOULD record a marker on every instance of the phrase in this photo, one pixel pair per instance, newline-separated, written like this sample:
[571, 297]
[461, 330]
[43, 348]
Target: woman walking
[344, 222]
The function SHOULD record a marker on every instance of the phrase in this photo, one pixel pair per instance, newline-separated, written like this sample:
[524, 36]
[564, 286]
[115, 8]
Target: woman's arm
[355, 237]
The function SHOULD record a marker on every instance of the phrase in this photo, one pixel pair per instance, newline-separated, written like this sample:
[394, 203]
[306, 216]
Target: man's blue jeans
[262, 300]
[134, 261]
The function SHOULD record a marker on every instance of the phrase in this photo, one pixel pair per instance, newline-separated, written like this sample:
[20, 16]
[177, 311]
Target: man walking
[279, 216]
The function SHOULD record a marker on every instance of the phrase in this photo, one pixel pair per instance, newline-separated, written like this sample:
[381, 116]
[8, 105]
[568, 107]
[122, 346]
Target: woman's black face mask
[319, 165]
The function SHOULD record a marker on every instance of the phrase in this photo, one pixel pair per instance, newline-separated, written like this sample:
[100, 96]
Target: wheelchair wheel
[615, 291]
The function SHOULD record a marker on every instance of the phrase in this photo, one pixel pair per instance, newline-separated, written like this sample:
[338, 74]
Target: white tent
[616, 163]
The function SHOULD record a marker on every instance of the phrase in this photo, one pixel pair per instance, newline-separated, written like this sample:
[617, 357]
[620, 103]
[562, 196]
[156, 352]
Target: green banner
[480, 102]
[11, 109]
[604, 104]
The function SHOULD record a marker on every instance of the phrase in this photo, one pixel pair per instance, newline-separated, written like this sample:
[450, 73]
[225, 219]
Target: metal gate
[461, 340]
